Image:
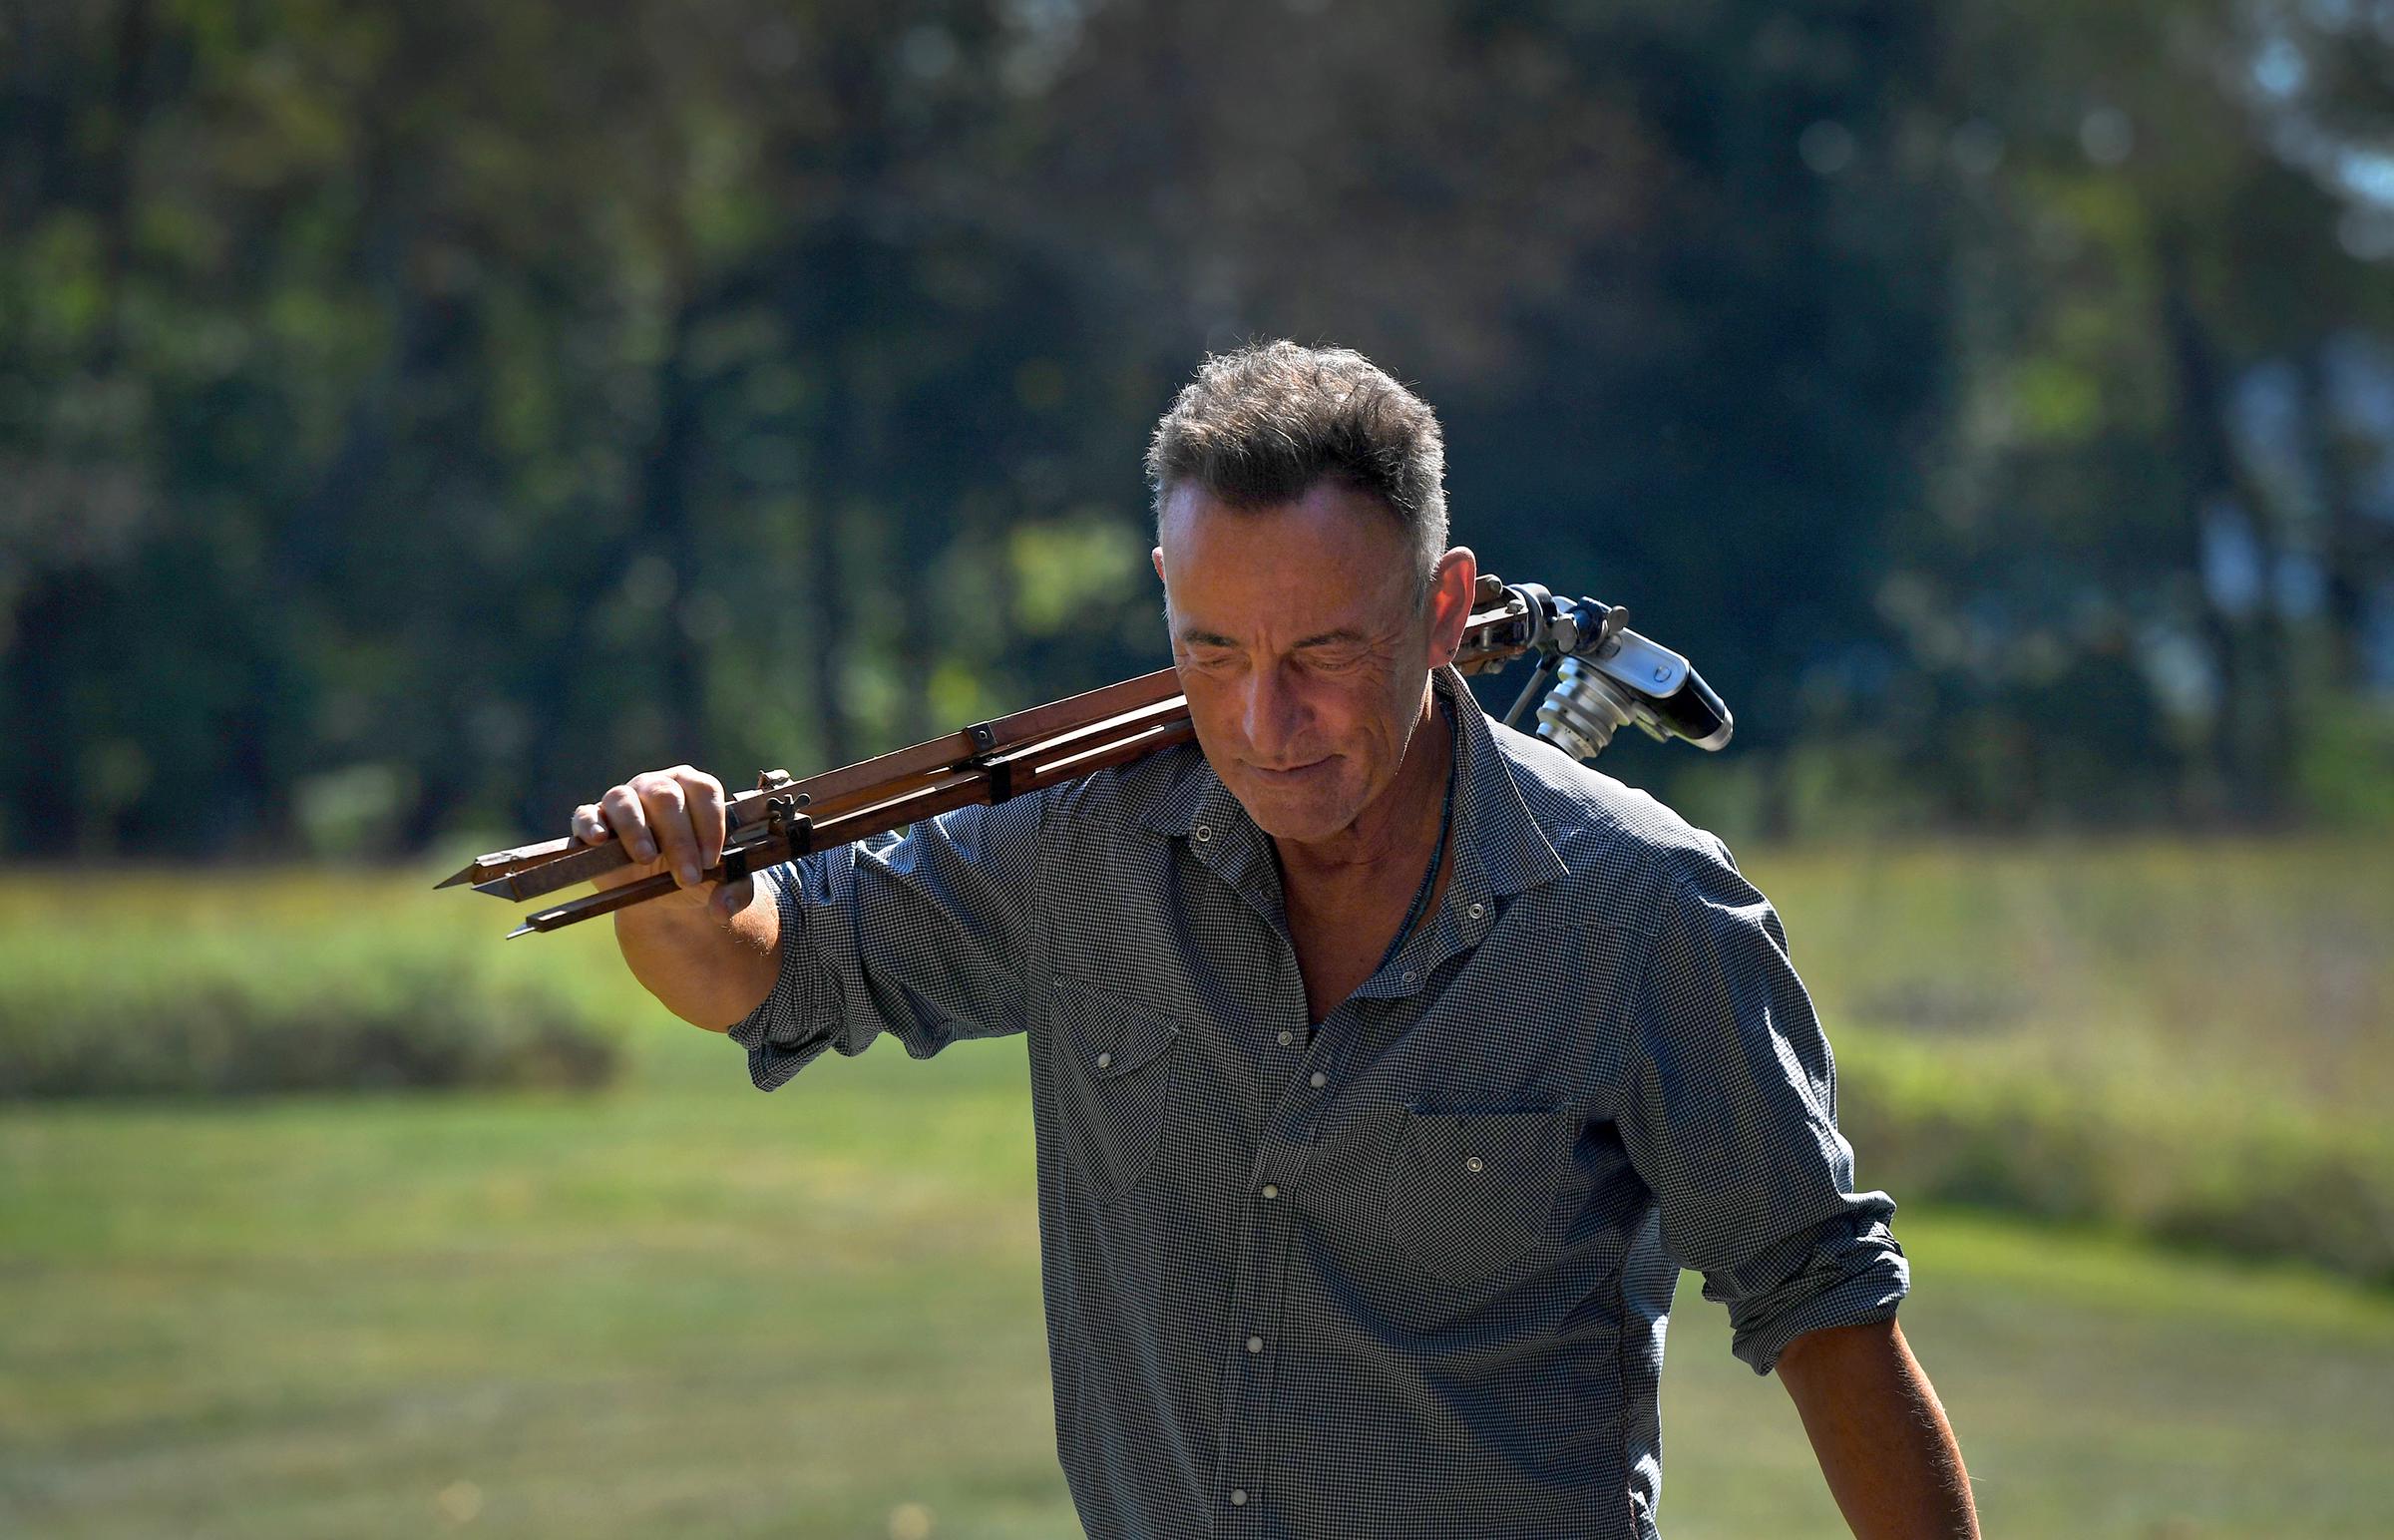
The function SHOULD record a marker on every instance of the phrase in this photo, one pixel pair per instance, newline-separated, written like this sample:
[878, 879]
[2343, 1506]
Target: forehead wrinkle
[1198, 636]
[1224, 566]
[1372, 627]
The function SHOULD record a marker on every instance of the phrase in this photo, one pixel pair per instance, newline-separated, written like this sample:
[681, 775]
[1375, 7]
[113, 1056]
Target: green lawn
[683, 1307]
[2170, 966]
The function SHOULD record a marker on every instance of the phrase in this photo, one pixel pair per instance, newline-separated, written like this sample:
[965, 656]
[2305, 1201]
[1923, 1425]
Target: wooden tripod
[984, 764]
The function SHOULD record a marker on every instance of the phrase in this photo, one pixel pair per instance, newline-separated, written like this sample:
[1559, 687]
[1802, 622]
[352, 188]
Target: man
[1385, 1064]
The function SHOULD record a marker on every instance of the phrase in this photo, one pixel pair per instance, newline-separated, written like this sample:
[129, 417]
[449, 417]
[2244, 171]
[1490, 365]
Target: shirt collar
[1499, 850]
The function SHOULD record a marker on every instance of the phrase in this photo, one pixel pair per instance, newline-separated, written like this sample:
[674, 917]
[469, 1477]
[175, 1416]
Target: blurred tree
[2112, 563]
[412, 419]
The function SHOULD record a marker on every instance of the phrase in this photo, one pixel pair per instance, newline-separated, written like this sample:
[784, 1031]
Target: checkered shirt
[1404, 1271]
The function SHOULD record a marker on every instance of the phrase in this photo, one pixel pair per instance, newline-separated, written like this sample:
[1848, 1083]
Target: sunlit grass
[676, 1305]
[150, 985]
[681, 1306]
[2246, 971]
[288, 925]
[2192, 1038]
[2260, 966]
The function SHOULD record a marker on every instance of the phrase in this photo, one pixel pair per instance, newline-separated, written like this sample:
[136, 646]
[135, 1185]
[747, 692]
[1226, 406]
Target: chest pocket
[1471, 1193]
[1113, 1083]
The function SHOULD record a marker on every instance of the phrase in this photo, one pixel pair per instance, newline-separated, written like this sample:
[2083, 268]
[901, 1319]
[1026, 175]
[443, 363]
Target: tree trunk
[2249, 738]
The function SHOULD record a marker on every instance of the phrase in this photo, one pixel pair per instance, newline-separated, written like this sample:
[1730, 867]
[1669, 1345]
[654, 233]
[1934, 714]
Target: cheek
[1359, 717]
[1211, 707]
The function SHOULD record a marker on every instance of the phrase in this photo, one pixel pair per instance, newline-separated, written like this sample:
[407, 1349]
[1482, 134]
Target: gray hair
[1266, 423]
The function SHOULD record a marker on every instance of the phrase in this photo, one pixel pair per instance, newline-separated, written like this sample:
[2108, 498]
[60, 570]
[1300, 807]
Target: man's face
[1302, 648]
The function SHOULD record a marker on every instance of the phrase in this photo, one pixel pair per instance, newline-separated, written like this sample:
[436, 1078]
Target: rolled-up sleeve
[1729, 1112]
[923, 936]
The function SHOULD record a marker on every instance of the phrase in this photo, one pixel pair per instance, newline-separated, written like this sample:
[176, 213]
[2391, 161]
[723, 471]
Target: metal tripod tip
[526, 929]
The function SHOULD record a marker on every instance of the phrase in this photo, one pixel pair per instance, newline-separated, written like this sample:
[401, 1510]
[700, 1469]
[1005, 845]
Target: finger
[667, 806]
[590, 827]
[706, 803]
[624, 813]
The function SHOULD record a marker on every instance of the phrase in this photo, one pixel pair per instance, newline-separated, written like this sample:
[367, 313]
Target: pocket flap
[1470, 1193]
[1511, 1146]
[1109, 1037]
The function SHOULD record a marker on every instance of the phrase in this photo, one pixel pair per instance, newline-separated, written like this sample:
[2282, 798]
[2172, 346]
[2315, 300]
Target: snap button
[1203, 834]
[1238, 1497]
[1271, 1190]
[1320, 1079]
[1287, 1038]
[1473, 1164]
[1477, 909]
[1105, 1060]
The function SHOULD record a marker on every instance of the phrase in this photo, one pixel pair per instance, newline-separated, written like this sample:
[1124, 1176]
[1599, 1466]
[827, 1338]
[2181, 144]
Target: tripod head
[1603, 675]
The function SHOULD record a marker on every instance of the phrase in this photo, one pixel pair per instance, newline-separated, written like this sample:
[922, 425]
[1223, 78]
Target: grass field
[688, 1307]
[679, 1306]
[2168, 966]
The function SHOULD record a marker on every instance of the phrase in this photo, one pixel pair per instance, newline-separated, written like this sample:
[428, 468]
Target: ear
[1450, 586]
[1157, 556]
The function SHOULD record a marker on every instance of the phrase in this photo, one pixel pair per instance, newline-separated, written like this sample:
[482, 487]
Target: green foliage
[212, 1001]
[2345, 769]
[2186, 1040]
[2257, 1180]
[396, 1025]
[1061, 569]
[465, 406]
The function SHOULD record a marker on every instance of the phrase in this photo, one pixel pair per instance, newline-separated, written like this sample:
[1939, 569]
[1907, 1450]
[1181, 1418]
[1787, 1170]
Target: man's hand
[1881, 1434]
[710, 950]
[668, 820]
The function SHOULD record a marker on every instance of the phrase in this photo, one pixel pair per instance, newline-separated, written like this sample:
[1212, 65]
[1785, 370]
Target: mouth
[1289, 773]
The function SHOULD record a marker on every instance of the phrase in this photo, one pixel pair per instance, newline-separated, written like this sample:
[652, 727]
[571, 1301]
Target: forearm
[1881, 1434]
[706, 969]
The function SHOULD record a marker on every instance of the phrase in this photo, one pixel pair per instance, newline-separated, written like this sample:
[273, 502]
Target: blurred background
[414, 419]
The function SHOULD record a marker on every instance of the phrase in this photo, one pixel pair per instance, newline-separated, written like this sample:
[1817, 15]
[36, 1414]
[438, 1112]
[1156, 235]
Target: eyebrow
[1344, 634]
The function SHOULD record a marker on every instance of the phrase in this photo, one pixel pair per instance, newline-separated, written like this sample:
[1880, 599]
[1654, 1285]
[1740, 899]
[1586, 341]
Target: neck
[1396, 828]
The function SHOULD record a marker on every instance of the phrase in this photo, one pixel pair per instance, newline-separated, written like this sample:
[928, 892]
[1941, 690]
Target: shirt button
[1238, 1497]
[1105, 1060]
[1477, 909]
[1412, 977]
[1287, 1038]
[1320, 1079]
[1473, 1164]
[1203, 834]
[1271, 1190]
[1255, 1344]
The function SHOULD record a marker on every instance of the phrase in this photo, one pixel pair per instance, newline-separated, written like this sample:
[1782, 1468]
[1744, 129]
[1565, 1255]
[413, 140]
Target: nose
[1273, 717]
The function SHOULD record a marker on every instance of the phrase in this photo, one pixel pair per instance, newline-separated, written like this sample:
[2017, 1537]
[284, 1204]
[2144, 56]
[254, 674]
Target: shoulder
[1158, 793]
[1611, 834]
